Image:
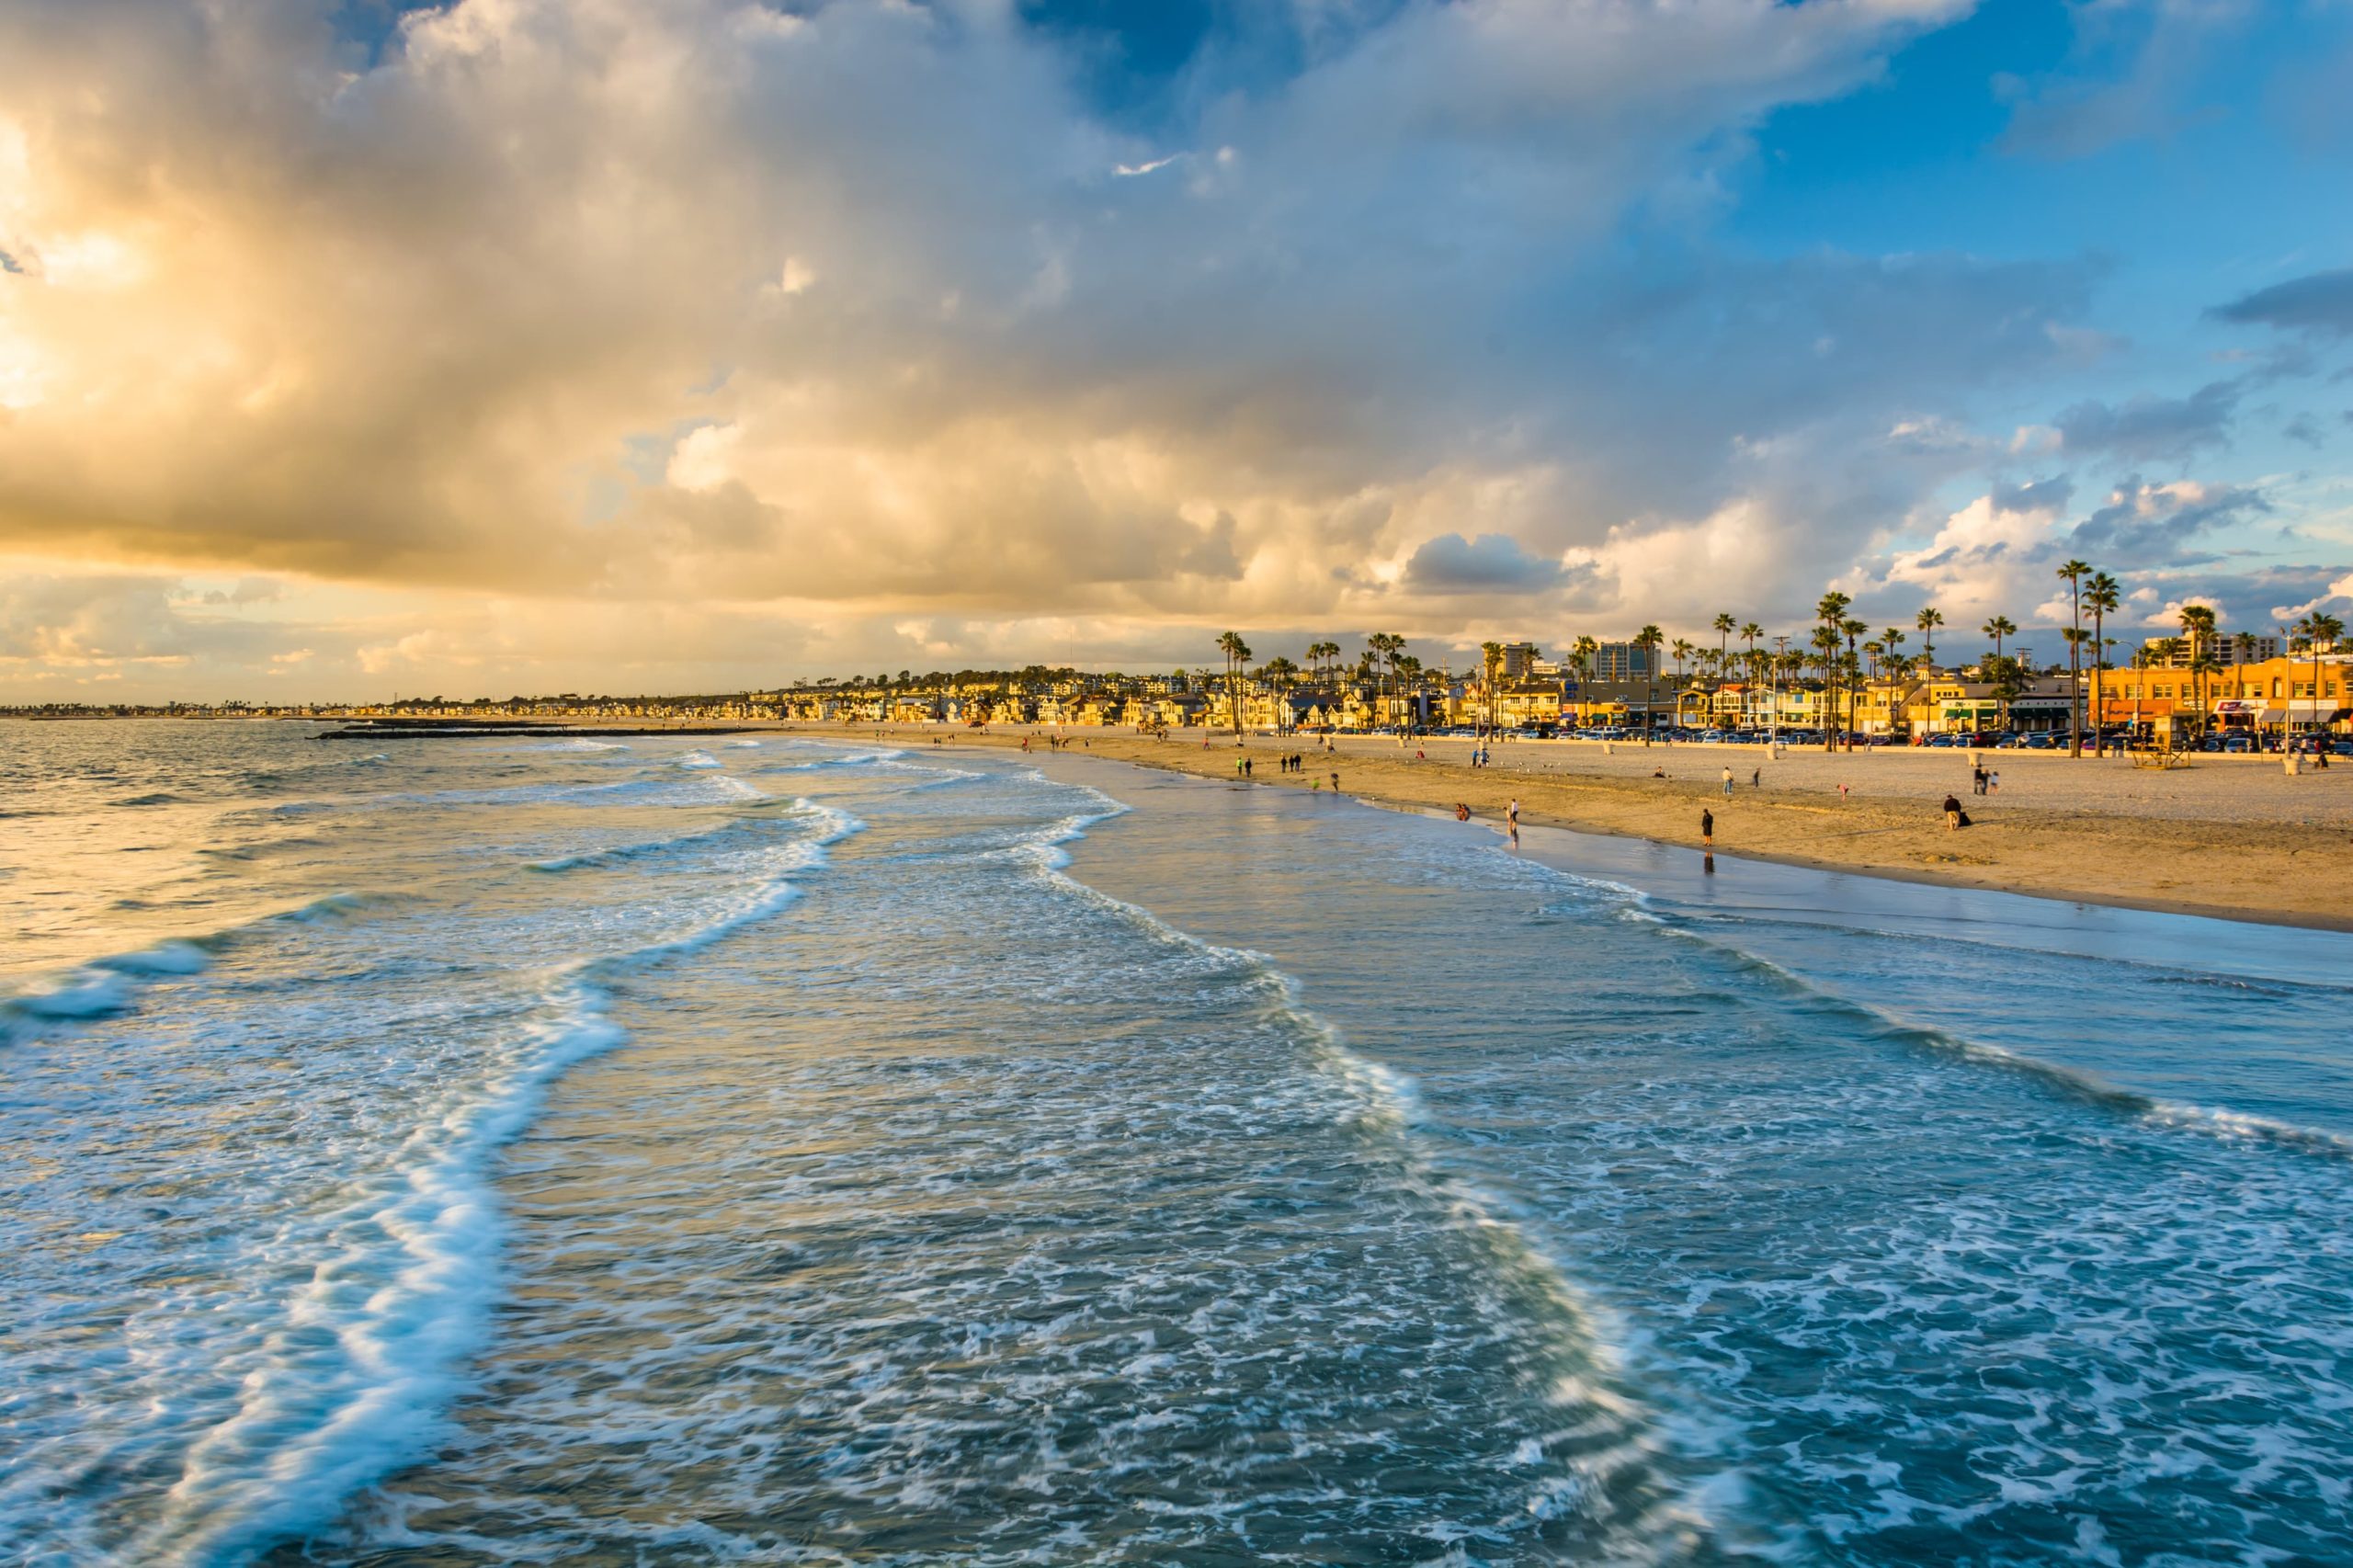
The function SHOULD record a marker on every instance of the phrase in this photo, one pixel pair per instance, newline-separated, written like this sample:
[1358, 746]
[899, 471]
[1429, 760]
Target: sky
[489, 347]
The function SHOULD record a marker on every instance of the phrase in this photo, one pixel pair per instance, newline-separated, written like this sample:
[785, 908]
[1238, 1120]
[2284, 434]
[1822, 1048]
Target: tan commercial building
[2275, 695]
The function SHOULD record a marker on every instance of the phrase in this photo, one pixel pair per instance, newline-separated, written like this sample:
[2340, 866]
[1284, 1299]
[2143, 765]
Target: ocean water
[686, 1151]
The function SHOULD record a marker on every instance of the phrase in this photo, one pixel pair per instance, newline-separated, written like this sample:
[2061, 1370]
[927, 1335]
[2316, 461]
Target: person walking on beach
[1977, 779]
[1756, 779]
[1335, 783]
[1511, 816]
[1707, 828]
[1727, 783]
[1952, 814]
[1994, 782]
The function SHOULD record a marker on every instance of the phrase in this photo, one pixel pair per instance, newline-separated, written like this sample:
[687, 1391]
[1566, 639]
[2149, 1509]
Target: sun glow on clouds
[872, 342]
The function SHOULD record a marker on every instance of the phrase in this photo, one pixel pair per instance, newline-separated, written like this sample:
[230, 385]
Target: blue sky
[572, 344]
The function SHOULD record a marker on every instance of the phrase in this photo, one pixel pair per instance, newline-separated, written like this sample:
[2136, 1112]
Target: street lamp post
[1780, 653]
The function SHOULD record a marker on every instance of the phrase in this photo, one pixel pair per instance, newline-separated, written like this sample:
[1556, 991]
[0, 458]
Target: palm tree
[2001, 626]
[2101, 595]
[2242, 650]
[2198, 631]
[1649, 639]
[2196, 626]
[1724, 625]
[1831, 610]
[1928, 621]
[1490, 662]
[2315, 628]
[1826, 650]
[2202, 664]
[2074, 572]
[1237, 653]
[1852, 671]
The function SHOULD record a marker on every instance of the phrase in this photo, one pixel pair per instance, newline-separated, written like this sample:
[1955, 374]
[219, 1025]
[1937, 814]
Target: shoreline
[2229, 838]
[2282, 873]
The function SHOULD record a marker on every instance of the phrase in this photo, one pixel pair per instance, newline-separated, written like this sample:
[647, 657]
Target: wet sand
[2229, 837]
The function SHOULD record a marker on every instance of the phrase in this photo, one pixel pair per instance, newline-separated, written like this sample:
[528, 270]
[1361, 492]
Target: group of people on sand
[1296, 762]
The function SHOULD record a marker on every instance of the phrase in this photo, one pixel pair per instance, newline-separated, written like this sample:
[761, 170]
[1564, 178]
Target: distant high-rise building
[1622, 661]
[2223, 646]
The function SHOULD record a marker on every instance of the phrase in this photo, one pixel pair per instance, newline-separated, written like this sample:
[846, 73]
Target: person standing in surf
[1707, 828]
[1511, 816]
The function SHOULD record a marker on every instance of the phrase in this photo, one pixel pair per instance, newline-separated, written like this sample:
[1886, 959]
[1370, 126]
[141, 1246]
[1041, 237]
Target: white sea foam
[1388, 1101]
[372, 1352]
[84, 995]
[2075, 1082]
[163, 958]
[370, 1363]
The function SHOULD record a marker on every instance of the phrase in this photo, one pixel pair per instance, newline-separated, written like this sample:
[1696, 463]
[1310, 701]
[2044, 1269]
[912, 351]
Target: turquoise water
[693, 1152]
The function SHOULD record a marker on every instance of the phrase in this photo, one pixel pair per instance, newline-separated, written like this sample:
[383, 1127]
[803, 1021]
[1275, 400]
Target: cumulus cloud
[80, 624]
[1489, 563]
[2337, 593]
[695, 342]
[2145, 525]
[867, 283]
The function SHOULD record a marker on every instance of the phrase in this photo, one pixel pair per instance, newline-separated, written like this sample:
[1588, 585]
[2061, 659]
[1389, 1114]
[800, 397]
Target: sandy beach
[2229, 837]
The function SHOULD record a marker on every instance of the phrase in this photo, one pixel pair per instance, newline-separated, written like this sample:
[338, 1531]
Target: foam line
[1389, 1103]
[358, 1388]
[2077, 1085]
